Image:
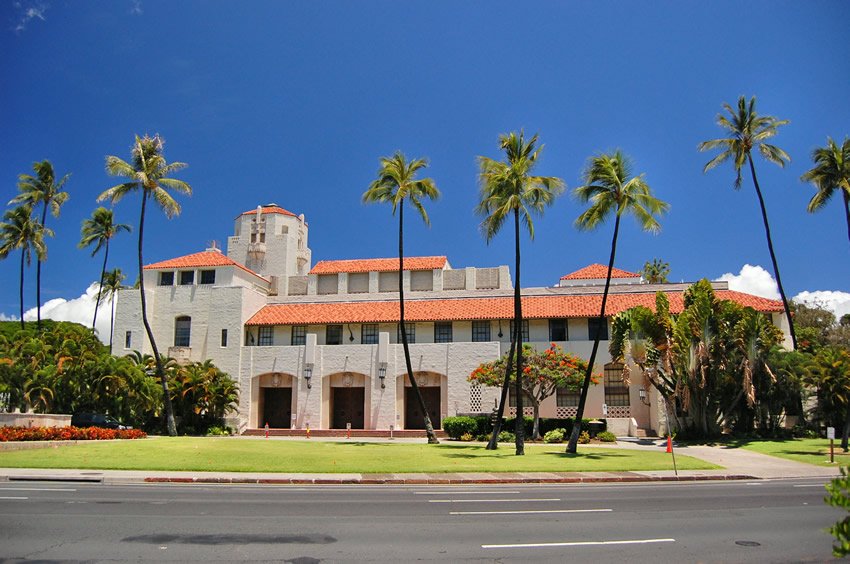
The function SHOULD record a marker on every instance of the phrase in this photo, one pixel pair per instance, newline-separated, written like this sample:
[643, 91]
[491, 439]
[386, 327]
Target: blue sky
[294, 102]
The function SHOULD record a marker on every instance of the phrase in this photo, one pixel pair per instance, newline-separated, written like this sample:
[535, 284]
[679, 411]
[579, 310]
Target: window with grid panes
[594, 326]
[566, 397]
[558, 330]
[369, 333]
[208, 277]
[299, 335]
[526, 401]
[166, 279]
[182, 331]
[266, 337]
[525, 335]
[333, 335]
[443, 332]
[616, 391]
[480, 331]
[410, 329]
[187, 277]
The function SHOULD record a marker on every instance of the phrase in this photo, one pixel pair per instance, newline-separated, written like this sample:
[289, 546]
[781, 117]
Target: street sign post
[830, 434]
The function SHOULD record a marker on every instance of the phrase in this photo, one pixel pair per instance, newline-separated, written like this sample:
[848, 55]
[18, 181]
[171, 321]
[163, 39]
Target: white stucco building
[318, 345]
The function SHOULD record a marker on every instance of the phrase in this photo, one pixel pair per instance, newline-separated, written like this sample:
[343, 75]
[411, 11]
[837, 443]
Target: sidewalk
[738, 463]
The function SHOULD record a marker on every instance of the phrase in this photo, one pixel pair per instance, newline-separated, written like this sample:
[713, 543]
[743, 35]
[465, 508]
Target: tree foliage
[544, 372]
[708, 363]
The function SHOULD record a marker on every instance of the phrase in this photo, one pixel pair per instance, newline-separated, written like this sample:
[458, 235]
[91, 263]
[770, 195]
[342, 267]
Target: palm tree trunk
[429, 427]
[846, 193]
[38, 274]
[519, 422]
[846, 433]
[112, 323]
[572, 446]
[23, 263]
[171, 427]
[772, 254]
[100, 287]
[497, 424]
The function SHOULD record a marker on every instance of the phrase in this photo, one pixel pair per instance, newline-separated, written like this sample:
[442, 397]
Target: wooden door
[277, 408]
[347, 406]
[413, 418]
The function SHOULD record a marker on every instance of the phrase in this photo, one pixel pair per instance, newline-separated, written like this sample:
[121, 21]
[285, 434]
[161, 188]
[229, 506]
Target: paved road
[768, 520]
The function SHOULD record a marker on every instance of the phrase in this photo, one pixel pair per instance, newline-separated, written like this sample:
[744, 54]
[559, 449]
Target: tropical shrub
[506, 437]
[555, 436]
[839, 496]
[584, 438]
[455, 427]
[607, 437]
[467, 437]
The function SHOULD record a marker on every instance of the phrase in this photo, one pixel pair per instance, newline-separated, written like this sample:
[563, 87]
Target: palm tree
[655, 272]
[831, 173]
[149, 173]
[110, 284]
[396, 183]
[508, 188]
[98, 230]
[610, 187]
[41, 188]
[22, 231]
[747, 131]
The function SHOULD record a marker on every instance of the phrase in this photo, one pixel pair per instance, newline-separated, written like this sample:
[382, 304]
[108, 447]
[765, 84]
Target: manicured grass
[250, 455]
[811, 451]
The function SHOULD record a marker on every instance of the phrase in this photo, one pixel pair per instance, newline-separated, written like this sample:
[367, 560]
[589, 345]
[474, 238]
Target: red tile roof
[534, 307]
[196, 260]
[595, 271]
[269, 209]
[378, 265]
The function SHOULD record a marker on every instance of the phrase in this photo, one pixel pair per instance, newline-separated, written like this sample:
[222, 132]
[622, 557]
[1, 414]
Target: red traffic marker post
[670, 450]
[267, 429]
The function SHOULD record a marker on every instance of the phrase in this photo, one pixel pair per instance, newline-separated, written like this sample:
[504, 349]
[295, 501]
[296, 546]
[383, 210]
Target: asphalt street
[763, 521]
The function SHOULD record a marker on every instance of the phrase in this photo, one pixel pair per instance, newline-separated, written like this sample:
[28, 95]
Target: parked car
[96, 420]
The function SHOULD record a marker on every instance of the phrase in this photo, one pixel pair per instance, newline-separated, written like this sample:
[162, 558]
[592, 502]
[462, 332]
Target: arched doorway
[276, 400]
[433, 388]
[348, 401]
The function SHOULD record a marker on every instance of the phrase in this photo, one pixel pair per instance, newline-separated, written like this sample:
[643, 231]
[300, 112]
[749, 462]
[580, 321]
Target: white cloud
[833, 300]
[136, 8]
[753, 280]
[4, 317]
[27, 12]
[79, 310]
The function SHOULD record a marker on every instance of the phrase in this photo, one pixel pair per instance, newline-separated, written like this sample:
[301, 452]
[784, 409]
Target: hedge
[8, 434]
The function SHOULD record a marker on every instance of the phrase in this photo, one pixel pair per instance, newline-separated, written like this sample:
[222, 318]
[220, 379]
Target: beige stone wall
[34, 420]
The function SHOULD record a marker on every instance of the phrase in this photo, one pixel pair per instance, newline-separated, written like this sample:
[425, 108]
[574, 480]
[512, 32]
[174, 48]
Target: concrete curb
[440, 481]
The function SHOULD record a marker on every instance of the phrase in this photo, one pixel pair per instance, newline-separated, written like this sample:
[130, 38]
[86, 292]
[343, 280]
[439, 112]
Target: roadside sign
[830, 432]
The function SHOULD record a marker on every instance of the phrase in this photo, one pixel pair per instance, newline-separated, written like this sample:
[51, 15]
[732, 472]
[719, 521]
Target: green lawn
[241, 455]
[811, 451]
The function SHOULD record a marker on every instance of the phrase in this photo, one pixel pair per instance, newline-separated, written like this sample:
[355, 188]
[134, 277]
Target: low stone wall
[34, 420]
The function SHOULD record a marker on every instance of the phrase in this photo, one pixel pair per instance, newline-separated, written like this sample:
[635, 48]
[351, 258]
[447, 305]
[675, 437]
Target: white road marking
[582, 543]
[478, 492]
[490, 500]
[38, 489]
[753, 484]
[529, 511]
[14, 498]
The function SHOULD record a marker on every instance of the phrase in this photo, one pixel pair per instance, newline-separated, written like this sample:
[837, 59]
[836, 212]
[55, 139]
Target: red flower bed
[67, 434]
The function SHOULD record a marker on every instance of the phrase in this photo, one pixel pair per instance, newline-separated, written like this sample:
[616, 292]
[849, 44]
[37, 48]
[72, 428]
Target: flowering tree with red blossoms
[543, 373]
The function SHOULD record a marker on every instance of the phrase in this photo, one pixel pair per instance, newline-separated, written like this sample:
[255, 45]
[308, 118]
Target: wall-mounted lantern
[382, 373]
[308, 374]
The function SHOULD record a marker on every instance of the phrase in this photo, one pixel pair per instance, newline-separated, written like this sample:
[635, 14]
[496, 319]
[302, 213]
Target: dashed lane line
[530, 511]
[577, 543]
[502, 500]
